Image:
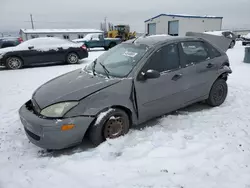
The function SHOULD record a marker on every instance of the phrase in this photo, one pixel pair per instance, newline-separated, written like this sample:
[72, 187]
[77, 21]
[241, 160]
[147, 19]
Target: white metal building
[178, 24]
[70, 34]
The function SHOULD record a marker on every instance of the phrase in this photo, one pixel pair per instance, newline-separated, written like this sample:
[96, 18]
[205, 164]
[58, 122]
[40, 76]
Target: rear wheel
[72, 58]
[110, 124]
[218, 93]
[14, 63]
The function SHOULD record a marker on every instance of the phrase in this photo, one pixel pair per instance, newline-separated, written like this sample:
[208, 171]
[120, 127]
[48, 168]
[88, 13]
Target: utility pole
[105, 22]
[31, 19]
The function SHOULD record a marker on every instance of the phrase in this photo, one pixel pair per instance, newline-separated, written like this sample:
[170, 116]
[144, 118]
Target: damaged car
[131, 83]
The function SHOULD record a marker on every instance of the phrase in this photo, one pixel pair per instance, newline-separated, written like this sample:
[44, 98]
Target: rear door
[198, 67]
[158, 96]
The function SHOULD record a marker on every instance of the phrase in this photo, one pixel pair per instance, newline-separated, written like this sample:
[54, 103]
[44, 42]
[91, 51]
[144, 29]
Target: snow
[190, 15]
[218, 33]
[159, 35]
[41, 44]
[102, 115]
[247, 36]
[196, 147]
[61, 31]
[94, 36]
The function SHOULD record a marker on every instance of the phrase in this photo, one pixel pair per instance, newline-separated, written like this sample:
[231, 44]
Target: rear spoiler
[221, 42]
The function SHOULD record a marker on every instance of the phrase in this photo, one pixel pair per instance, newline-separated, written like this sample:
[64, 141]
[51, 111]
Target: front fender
[116, 95]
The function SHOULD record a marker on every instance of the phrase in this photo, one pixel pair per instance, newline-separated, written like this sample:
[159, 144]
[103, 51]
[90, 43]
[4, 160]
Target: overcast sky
[15, 14]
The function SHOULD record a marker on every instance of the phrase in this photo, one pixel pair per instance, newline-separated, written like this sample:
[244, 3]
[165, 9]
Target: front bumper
[47, 133]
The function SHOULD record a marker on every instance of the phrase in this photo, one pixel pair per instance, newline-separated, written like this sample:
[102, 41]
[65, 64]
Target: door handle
[177, 77]
[210, 65]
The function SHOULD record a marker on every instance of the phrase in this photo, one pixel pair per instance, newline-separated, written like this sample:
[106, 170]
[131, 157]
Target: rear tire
[110, 125]
[72, 58]
[14, 63]
[218, 93]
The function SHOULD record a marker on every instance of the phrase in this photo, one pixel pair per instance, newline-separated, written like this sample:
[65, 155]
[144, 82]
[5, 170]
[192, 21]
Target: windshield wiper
[105, 69]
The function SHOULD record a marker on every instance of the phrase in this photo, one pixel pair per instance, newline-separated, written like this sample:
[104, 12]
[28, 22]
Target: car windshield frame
[131, 53]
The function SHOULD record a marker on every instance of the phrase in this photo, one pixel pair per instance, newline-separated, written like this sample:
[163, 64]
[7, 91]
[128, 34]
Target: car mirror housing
[31, 47]
[150, 74]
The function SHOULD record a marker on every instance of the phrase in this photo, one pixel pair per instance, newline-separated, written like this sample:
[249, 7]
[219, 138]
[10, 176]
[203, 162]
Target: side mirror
[150, 74]
[31, 47]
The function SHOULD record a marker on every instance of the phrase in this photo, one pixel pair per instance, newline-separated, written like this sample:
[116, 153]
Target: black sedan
[42, 50]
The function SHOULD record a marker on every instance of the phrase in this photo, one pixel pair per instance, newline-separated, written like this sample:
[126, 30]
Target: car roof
[153, 40]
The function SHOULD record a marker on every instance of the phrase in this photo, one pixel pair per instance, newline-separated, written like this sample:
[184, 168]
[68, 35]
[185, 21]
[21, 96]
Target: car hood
[74, 85]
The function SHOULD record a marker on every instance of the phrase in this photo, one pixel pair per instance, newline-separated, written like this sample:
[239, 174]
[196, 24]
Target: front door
[32, 55]
[159, 96]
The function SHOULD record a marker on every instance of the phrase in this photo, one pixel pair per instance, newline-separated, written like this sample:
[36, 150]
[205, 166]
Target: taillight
[84, 47]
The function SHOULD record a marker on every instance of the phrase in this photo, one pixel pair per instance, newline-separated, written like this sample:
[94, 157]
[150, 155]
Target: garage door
[152, 28]
[173, 28]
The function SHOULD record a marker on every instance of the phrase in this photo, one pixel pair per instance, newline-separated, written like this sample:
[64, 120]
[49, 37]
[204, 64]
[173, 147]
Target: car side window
[8, 44]
[194, 52]
[164, 59]
[213, 52]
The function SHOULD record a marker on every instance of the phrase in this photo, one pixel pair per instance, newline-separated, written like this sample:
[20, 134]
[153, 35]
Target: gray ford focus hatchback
[133, 82]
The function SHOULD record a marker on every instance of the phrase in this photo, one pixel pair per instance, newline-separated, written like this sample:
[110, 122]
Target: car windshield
[119, 61]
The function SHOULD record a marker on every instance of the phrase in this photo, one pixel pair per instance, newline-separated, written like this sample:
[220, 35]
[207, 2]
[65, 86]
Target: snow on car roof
[247, 36]
[61, 31]
[218, 33]
[42, 44]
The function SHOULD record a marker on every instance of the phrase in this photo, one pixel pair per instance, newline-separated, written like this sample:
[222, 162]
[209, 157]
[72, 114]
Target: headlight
[58, 110]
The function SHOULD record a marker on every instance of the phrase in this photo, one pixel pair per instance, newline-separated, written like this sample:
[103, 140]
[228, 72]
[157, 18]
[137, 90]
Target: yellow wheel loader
[122, 32]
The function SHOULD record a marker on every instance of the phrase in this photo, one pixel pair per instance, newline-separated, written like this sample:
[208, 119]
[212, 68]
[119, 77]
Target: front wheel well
[226, 64]
[72, 51]
[125, 109]
[17, 56]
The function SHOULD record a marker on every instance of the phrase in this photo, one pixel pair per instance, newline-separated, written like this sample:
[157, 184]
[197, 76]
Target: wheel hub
[114, 127]
[218, 94]
[72, 58]
[14, 63]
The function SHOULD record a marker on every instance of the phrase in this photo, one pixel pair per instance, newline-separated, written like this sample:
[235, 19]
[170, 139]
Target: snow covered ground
[197, 147]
